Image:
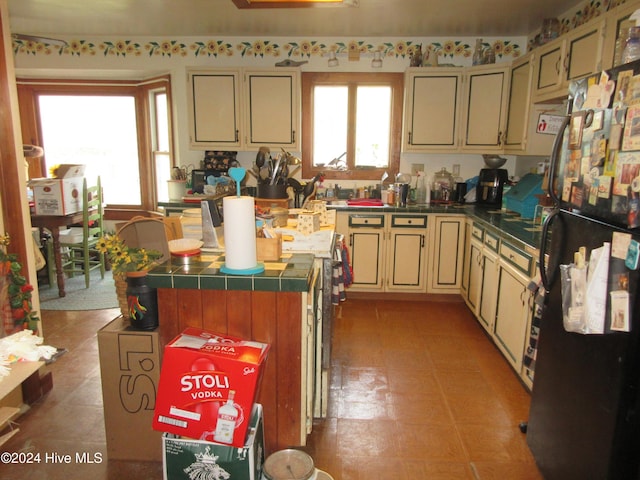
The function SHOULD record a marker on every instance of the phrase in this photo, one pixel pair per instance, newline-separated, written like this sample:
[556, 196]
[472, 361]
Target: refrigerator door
[582, 422]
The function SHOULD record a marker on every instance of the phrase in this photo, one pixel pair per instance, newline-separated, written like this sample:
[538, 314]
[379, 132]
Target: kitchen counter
[524, 232]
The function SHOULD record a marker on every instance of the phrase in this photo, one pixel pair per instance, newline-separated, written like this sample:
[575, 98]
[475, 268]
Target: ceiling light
[333, 60]
[377, 60]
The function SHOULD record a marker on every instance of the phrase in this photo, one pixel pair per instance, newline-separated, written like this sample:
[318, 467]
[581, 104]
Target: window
[351, 124]
[120, 131]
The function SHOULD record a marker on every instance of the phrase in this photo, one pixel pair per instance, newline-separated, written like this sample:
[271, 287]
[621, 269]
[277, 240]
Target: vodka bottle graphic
[226, 424]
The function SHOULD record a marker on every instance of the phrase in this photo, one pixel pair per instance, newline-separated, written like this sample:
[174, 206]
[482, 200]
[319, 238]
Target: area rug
[100, 295]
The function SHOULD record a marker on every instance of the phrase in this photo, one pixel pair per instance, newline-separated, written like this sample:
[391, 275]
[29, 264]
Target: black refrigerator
[583, 421]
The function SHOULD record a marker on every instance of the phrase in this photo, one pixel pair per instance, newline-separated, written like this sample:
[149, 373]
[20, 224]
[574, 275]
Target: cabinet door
[486, 100]
[272, 104]
[519, 102]
[549, 67]
[488, 291]
[431, 107]
[366, 258]
[512, 314]
[214, 109]
[475, 276]
[447, 246]
[464, 286]
[406, 257]
[617, 27]
[584, 51]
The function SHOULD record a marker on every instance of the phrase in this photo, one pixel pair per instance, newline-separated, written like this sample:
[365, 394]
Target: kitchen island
[278, 306]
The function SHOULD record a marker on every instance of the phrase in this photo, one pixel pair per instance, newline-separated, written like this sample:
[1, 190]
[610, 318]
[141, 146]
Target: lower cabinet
[388, 251]
[497, 275]
[446, 237]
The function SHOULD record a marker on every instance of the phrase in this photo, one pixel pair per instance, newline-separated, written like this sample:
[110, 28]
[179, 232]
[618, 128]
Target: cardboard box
[269, 249]
[130, 371]
[68, 170]
[57, 196]
[200, 369]
[185, 459]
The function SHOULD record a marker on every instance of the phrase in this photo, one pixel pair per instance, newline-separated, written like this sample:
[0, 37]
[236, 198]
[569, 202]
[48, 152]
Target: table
[53, 223]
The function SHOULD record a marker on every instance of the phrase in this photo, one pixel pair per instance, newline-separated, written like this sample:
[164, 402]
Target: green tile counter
[268, 307]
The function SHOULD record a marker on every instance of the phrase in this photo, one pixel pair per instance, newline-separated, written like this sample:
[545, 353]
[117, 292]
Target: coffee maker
[491, 181]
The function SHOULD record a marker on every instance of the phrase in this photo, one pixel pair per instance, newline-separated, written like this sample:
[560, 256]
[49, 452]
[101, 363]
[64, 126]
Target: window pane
[373, 126]
[162, 125]
[99, 132]
[330, 109]
[163, 173]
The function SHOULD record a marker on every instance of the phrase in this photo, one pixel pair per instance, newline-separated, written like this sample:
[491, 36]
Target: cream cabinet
[272, 109]
[473, 267]
[388, 251]
[406, 253]
[240, 108]
[464, 285]
[214, 108]
[432, 109]
[489, 284]
[514, 307]
[446, 240]
[519, 103]
[485, 107]
[574, 55]
[617, 24]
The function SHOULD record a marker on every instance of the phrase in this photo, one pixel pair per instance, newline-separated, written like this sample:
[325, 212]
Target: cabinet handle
[293, 136]
[421, 241]
[558, 66]
[410, 139]
[237, 133]
[351, 239]
[565, 63]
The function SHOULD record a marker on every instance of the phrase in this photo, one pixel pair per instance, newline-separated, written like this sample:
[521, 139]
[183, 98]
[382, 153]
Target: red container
[199, 370]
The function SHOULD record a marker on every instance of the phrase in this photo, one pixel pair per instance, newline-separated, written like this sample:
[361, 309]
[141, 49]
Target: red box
[199, 370]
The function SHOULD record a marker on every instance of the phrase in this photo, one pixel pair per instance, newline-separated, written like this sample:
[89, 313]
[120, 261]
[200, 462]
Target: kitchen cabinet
[446, 253]
[519, 103]
[432, 109]
[485, 102]
[464, 284]
[617, 24]
[407, 258]
[514, 303]
[240, 108]
[388, 251]
[473, 265]
[214, 108]
[272, 109]
[574, 55]
[489, 284]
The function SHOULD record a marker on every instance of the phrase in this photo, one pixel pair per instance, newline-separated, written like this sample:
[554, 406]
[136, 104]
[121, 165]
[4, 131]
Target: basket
[121, 292]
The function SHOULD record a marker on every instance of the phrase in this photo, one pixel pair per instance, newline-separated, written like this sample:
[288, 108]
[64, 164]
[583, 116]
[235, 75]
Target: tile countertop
[523, 232]
[293, 273]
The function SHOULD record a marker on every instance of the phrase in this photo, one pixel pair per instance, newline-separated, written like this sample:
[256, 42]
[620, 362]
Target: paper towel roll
[239, 232]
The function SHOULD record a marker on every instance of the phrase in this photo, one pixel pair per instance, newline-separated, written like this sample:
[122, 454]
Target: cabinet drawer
[516, 257]
[419, 221]
[371, 221]
[491, 241]
[477, 232]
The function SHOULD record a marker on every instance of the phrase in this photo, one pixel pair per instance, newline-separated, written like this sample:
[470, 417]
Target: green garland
[19, 291]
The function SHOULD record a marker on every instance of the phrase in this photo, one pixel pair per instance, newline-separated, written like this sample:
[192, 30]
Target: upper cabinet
[486, 94]
[617, 27]
[432, 106]
[214, 108]
[272, 109]
[574, 55]
[244, 108]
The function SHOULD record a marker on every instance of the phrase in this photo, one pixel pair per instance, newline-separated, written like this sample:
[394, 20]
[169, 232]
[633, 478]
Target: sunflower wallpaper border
[258, 48]
[448, 49]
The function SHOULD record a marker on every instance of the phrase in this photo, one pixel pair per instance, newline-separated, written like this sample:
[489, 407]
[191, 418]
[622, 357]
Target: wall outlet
[417, 167]
[456, 170]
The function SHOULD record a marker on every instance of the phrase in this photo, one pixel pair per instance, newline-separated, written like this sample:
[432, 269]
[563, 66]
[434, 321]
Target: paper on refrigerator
[596, 293]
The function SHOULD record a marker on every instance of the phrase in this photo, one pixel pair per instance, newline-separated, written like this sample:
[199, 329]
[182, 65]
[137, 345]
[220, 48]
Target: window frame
[351, 79]
[143, 93]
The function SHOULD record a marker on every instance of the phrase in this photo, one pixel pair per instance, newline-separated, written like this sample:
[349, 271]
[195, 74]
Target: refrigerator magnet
[620, 310]
[633, 255]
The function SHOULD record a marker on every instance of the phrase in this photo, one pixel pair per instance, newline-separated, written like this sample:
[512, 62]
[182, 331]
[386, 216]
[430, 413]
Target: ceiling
[371, 18]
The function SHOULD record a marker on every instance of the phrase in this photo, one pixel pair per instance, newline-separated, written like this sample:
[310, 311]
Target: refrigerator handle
[547, 280]
[555, 158]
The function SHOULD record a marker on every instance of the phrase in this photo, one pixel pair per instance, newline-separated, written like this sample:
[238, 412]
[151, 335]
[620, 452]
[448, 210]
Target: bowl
[185, 246]
[494, 161]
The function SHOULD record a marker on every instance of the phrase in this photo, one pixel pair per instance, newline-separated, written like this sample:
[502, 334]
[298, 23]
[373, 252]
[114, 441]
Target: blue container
[521, 198]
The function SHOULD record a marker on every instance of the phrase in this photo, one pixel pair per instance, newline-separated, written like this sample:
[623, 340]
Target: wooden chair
[83, 256]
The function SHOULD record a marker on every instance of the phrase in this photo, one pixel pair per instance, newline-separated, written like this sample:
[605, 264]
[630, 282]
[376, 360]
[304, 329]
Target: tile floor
[417, 392]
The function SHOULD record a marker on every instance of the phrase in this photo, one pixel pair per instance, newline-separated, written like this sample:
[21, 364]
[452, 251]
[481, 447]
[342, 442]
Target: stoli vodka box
[208, 385]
